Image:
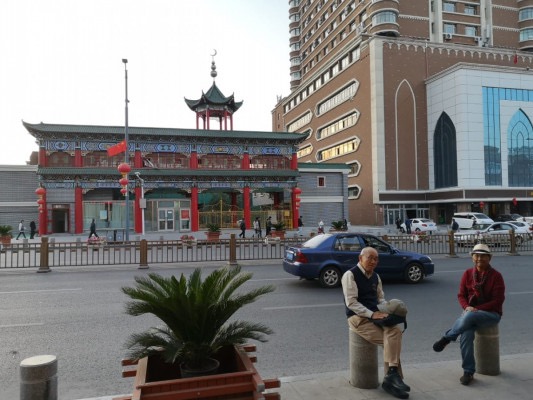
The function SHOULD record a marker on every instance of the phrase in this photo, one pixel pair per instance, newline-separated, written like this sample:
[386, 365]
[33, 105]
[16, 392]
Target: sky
[62, 63]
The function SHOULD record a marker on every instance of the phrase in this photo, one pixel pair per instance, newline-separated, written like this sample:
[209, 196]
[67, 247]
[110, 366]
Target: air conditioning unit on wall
[448, 36]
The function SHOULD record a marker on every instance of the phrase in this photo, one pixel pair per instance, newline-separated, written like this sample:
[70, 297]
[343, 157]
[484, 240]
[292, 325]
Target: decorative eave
[140, 134]
[213, 99]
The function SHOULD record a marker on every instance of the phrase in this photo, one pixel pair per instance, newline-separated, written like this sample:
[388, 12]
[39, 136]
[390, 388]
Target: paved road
[78, 316]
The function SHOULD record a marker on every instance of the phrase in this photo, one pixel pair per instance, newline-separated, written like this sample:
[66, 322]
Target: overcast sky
[62, 63]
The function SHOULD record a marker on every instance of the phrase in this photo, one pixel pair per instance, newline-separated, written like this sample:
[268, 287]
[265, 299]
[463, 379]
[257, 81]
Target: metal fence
[28, 255]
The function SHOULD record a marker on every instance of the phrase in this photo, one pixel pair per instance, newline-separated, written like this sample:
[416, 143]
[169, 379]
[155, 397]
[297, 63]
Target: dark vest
[367, 290]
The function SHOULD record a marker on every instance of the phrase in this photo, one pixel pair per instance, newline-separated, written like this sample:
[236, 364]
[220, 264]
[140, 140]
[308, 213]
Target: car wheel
[414, 273]
[330, 277]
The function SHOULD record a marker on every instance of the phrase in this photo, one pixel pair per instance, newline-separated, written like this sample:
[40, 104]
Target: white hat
[481, 249]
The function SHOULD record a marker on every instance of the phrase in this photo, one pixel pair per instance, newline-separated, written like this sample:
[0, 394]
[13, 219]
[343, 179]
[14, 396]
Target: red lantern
[40, 201]
[40, 191]
[297, 200]
[481, 204]
[123, 181]
[515, 202]
[297, 190]
[124, 168]
[124, 191]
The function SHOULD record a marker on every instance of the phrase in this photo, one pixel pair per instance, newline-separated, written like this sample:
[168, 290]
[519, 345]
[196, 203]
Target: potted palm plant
[5, 234]
[337, 226]
[196, 332]
[278, 229]
[213, 232]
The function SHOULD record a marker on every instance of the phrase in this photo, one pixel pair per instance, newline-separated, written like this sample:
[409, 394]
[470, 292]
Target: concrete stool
[38, 378]
[363, 362]
[487, 350]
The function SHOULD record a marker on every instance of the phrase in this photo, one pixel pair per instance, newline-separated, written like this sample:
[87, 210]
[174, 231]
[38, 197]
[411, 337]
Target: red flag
[117, 149]
[515, 60]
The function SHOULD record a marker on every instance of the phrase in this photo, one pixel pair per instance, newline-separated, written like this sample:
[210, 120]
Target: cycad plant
[195, 314]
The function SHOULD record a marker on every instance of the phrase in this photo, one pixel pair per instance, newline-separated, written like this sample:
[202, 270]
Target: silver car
[496, 234]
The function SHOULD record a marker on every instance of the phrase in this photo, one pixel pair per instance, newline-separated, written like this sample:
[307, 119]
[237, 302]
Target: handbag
[397, 314]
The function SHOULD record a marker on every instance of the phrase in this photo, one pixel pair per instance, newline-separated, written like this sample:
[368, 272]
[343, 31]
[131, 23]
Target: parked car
[327, 257]
[420, 225]
[523, 228]
[495, 234]
[467, 219]
[509, 217]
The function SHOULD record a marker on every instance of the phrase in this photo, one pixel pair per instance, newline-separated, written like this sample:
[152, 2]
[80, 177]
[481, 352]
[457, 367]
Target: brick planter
[237, 379]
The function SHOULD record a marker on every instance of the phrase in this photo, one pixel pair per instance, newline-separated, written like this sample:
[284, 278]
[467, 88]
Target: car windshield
[425, 220]
[316, 241]
[481, 216]
[480, 227]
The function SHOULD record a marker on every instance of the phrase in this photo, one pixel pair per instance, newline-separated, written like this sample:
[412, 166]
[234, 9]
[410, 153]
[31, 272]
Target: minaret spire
[213, 66]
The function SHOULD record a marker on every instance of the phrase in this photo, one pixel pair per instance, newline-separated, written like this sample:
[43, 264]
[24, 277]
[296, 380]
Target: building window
[520, 151]
[470, 31]
[526, 34]
[303, 120]
[340, 97]
[307, 150]
[339, 150]
[445, 153]
[338, 126]
[354, 192]
[526, 13]
[355, 168]
[470, 10]
[448, 7]
[321, 181]
[384, 17]
[449, 28]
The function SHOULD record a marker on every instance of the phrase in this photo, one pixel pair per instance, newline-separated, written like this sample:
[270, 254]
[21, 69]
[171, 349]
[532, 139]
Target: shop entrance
[165, 219]
[60, 220]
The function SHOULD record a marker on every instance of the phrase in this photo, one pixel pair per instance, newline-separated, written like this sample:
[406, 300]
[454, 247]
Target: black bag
[391, 320]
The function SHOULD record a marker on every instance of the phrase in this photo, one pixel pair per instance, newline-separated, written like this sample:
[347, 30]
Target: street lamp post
[142, 204]
[126, 154]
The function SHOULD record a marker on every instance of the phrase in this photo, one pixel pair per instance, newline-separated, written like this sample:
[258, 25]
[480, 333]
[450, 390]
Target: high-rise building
[430, 102]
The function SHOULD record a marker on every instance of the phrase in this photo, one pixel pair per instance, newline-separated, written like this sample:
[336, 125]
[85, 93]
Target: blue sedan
[326, 257]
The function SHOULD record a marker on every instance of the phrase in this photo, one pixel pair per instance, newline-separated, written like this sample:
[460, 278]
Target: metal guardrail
[143, 253]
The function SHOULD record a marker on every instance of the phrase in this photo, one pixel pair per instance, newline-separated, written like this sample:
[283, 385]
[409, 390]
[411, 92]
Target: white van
[467, 219]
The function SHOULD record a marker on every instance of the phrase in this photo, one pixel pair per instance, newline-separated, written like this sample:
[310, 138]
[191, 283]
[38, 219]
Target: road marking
[520, 293]
[41, 291]
[21, 325]
[303, 306]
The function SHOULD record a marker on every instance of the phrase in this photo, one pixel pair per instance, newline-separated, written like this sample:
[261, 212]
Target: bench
[487, 350]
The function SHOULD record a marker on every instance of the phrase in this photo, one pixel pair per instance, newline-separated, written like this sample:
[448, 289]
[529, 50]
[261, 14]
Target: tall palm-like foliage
[195, 314]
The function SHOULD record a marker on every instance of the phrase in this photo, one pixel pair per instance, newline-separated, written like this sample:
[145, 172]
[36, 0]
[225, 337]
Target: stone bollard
[25, 246]
[487, 350]
[363, 362]
[38, 378]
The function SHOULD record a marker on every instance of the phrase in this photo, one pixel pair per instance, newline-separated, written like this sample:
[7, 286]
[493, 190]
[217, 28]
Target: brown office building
[430, 102]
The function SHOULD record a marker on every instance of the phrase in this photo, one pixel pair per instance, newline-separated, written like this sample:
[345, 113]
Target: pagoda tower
[214, 105]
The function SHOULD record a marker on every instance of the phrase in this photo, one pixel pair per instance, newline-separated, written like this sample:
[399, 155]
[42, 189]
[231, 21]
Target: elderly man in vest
[363, 292]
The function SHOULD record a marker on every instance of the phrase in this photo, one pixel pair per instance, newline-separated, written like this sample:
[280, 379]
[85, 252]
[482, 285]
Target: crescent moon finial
[214, 53]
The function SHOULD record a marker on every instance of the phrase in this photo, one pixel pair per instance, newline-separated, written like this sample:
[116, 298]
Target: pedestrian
[300, 225]
[408, 226]
[321, 227]
[242, 225]
[257, 227]
[398, 223]
[455, 225]
[268, 226]
[92, 230]
[21, 229]
[363, 292]
[481, 296]
[33, 229]
[344, 225]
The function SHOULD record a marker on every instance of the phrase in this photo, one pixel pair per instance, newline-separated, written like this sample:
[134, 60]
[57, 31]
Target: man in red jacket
[481, 296]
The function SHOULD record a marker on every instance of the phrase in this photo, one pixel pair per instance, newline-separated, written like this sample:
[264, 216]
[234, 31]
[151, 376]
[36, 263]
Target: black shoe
[440, 344]
[390, 389]
[467, 378]
[393, 378]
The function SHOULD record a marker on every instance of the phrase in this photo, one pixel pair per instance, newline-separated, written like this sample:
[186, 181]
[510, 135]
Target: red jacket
[493, 291]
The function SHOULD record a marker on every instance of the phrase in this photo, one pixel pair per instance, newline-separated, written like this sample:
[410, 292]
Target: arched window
[520, 156]
[445, 153]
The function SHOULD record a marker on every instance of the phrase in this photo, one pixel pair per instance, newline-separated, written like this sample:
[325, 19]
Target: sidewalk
[428, 381]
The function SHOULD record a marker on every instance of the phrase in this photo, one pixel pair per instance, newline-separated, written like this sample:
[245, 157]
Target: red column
[78, 210]
[294, 161]
[194, 210]
[245, 160]
[43, 220]
[246, 204]
[231, 121]
[78, 162]
[207, 118]
[43, 160]
[294, 209]
[137, 159]
[194, 160]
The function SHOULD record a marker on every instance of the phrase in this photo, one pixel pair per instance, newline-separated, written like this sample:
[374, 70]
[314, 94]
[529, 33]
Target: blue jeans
[465, 326]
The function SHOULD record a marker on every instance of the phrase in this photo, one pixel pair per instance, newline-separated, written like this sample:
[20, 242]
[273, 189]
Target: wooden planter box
[277, 234]
[213, 236]
[5, 240]
[237, 379]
